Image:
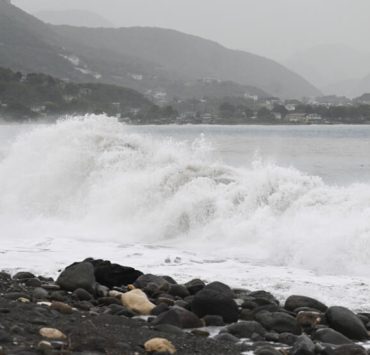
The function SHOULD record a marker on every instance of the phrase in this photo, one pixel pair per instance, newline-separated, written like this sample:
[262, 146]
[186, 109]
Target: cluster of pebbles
[97, 307]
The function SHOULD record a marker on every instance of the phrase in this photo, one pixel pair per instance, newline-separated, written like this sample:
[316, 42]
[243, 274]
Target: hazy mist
[274, 28]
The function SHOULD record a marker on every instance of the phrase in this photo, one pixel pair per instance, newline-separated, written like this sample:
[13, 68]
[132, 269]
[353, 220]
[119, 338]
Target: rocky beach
[98, 307]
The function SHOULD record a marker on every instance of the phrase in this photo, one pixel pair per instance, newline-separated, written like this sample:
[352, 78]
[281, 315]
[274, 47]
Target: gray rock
[35, 282]
[246, 329]
[143, 281]
[303, 346]
[23, 276]
[295, 301]
[107, 301]
[159, 309]
[265, 296]
[278, 321]
[101, 290]
[82, 295]
[4, 276]
[60, 296]
[330, 336]
[272, 336]
[350, 349]
[178, 290]
[287, 338]
[195, 286]
[179, 317]
[213, 321]
[40, 294]
[120, 311]
[220, 288]
[79, 275]
[346, 322]
[267, 350]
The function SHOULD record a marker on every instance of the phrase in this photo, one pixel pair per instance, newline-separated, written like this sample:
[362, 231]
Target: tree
[227, 110]
[265, 115]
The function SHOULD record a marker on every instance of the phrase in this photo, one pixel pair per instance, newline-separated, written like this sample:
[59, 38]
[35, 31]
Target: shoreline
[105, 308]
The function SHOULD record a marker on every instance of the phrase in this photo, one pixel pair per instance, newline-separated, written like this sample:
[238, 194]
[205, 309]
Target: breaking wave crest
[95, 179]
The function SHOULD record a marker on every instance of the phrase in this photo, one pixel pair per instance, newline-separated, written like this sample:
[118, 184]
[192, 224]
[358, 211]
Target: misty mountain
[151, 60]
[81, 18]
[335, 69]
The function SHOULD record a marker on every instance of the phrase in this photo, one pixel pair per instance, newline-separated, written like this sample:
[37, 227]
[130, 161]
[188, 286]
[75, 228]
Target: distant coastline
[34, 96]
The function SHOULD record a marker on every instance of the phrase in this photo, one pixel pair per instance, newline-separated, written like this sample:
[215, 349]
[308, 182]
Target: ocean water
[285, 209]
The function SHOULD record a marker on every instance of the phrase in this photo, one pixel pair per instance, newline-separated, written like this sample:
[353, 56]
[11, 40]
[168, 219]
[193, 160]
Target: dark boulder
[34, 282]
[4, 276]
[178, 290]
[221, 288]
[213, 301]
[303, 346]
[346, 322]
[350, 349]
[112, 275]
[330, 336]
[287, 338]
[161, 308]
[267, 350]
[23, 275]
[213, 321]
[78, 275]
[294, 302]
[169, 279]
[195, 286]
[39, 293]
[246, 329]
[263, 297]
[147, 281]
[278, 321]
[82, 295]
[178, 317]
[226, 337]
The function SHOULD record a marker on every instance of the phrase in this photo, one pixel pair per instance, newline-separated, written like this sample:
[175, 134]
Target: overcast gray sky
[274, 28]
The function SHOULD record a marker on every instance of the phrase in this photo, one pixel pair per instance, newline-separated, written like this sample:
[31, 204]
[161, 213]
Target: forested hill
[25, 96]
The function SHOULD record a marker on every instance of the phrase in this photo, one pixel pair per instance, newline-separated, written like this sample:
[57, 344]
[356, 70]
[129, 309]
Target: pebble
[137, 301]
[23, 300]
[52, 333]
[159, 345]
[40, 293]
[44, 345]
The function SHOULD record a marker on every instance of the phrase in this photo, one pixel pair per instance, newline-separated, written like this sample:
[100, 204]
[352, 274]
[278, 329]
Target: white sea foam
[89, 180]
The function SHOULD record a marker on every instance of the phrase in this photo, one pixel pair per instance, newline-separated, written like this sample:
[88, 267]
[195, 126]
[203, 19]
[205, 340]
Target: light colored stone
[44, 303]
[159, 345]
[52, 333]
[115, 294]
[23, 300]
[44, 345]
[137, 301]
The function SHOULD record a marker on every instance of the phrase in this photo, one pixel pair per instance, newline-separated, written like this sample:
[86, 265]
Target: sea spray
[91, 178]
